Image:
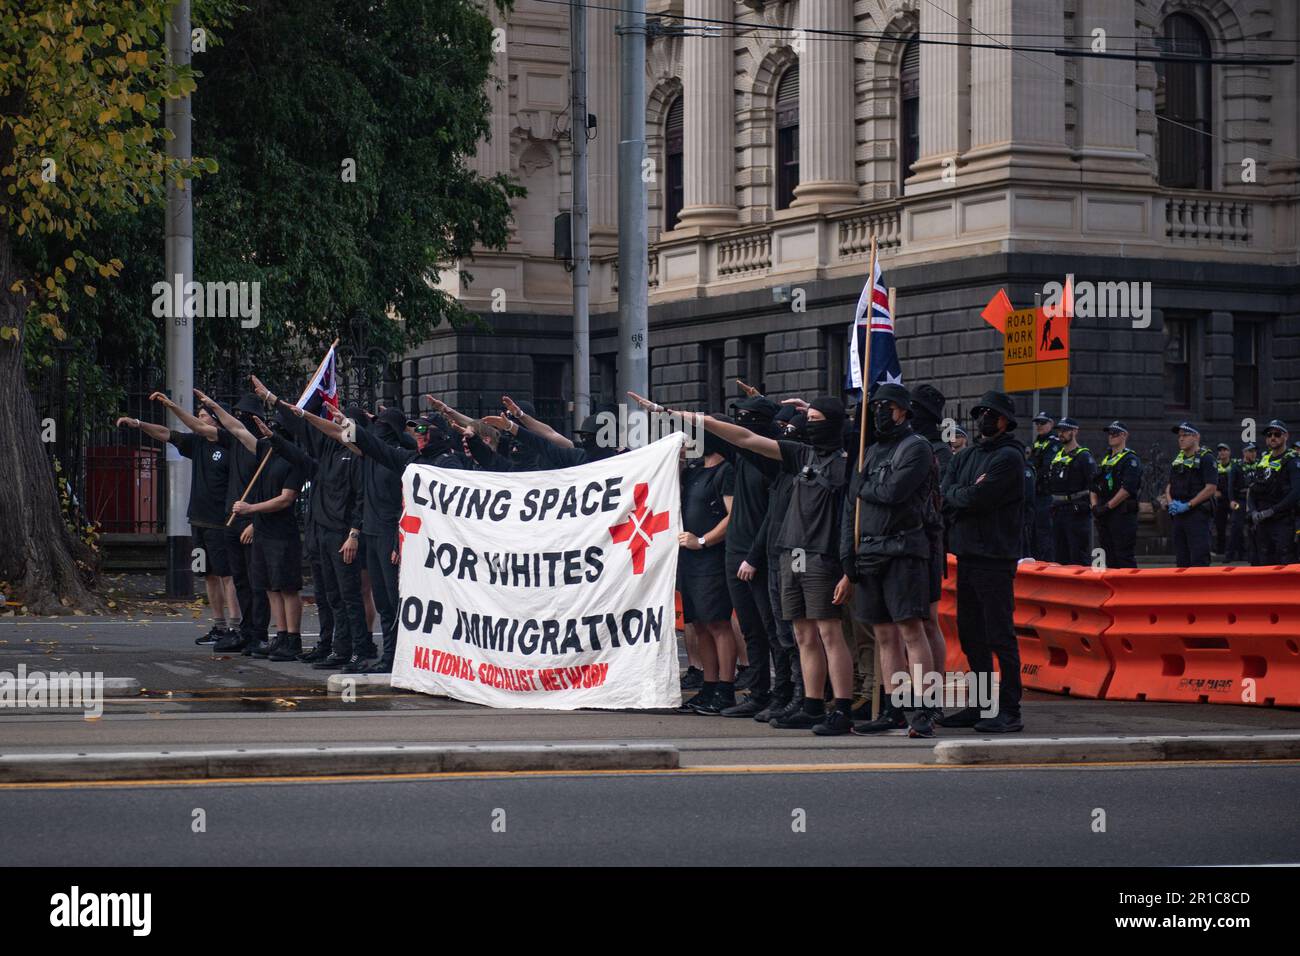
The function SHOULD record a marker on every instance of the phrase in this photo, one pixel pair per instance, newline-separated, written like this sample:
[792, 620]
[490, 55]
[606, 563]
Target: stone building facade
[786, 137]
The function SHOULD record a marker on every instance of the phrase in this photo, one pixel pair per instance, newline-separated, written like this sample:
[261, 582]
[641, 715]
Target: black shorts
[213, 542]
[277, 564]
[809, 592]
[898, 591]
[703, 585]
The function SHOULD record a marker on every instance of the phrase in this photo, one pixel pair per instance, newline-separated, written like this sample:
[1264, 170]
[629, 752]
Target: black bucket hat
[999, 402]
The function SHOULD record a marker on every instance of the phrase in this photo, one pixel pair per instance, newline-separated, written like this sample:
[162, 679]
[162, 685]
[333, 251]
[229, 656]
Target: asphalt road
[1165, 815]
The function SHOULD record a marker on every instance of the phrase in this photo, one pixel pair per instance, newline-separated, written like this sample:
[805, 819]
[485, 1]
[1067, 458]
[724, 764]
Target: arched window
[909, 113]
[1183, 108]
[674, 191]
[787, 137]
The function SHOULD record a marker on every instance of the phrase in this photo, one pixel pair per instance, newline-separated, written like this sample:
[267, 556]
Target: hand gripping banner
[549, 589]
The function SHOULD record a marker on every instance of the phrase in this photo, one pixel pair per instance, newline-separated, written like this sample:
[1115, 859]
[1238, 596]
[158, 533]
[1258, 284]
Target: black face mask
[884, 421]
[989, 424]
[823, 434]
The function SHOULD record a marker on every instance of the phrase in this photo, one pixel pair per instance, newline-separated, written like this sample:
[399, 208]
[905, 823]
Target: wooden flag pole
[252, 481]
[862, 446]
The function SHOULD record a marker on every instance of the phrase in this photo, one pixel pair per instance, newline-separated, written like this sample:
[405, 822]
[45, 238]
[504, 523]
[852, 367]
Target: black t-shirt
[749, 507]
[209, 478]
[702, 506]
[812, 521]
[276, 476]
[243, 465]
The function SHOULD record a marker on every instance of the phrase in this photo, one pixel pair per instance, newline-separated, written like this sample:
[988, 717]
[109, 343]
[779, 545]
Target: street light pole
[179, 258]
[581, 224]
[633, 244]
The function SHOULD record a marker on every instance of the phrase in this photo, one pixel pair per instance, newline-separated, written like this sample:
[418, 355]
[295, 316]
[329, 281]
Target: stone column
[602, 102]
[1107, 124]
[493, 154]
[1018, 99]
[827, 142]
[709, 134]
[945, 88]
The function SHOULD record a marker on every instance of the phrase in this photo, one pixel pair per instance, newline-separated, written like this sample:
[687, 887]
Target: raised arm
[533, 425]
[229, 422]
[448, 412]
[192, 423]
[157, 432]
[737, 435]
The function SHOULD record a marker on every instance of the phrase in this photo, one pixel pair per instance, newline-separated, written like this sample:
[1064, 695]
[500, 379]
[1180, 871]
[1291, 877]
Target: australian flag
[873, 310]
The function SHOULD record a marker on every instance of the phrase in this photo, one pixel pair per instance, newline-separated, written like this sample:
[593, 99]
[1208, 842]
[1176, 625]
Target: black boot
[289, 648]
[356, 665]
[323, 649]
[231, 641]
[264, 647]
[333, 662]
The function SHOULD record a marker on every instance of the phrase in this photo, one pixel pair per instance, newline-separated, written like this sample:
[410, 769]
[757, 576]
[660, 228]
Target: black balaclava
[757, 414]
[882, 416]
[586, 439]
[786, 421]
[827, 434]
[988, 423]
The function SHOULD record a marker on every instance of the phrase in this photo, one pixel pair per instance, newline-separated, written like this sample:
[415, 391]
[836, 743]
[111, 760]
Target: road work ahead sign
[1035, 351]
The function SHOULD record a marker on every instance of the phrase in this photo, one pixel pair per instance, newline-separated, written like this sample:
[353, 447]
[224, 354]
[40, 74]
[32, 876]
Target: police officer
[1250, 472]
[1070, 481]
[1192, 480]
[1273, 498]
[1115, 499]
[1044, 449]
[1227, 475]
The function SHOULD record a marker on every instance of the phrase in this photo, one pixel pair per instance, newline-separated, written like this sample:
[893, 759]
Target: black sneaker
[746, 676]
[333, 662]
[862, 711]
[889, 721]
[369, 652]
[356, 665]
[263, 648]
[836, 723]
[966, 717]
[720, 700]
[701, 696]
[793, 707]
[1001, 723]
[289, 650]
[693, 679]
[322, 650]
[382, 666]
[918, 723]
[774, 706]
[252, 644]
[214, 634]
[232, 640]
[799, 720]
[749, 707]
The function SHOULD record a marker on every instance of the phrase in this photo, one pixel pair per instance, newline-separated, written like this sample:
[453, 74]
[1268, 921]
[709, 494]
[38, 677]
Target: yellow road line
[704, 770]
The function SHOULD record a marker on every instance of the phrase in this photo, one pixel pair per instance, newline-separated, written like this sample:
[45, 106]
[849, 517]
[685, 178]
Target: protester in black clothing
[812, 584]
[332, 534]
[983, 501]
[255, 610]
[889, 507]
[746, 552]
[209, 479]
[277, 550]
[927, 415]
[708, 487]
[385, 453]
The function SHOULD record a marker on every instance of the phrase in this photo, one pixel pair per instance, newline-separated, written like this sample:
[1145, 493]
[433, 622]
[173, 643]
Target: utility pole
[179, 257]
[581, 224]
[633, 247]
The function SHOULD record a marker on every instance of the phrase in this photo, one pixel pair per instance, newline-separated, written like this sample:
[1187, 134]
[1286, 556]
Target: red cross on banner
[641, 525]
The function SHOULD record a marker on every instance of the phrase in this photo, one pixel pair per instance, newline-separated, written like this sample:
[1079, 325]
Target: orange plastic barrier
[1220, 635]
[1058, 621]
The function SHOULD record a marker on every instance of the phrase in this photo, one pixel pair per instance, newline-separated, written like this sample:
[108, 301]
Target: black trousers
[338, 592]
[1220, 545]
[1237, 534]
[787, 670]
[255, 609]
[1117, 532]
[383, 585]
[1192, 538]
[754, 613]
[1044, 539]
[986, 606]
[1276, 540]
[1072, 529]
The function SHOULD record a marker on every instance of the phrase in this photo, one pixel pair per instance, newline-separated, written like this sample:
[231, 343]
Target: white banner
[549, 589]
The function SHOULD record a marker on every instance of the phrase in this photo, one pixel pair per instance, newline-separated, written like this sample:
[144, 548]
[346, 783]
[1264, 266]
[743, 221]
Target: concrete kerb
[1048, 750]
[331, 761]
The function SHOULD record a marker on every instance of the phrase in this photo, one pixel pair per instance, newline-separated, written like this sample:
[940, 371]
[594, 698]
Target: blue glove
[1178, 507]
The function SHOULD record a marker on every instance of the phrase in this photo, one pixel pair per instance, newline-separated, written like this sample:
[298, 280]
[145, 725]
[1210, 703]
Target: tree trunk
[48, 569]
